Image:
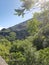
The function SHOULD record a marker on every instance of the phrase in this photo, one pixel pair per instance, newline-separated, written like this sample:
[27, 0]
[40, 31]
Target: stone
[2, 61]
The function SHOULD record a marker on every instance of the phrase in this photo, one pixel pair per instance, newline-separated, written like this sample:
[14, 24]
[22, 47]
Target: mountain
[20, 30]
[19, 27]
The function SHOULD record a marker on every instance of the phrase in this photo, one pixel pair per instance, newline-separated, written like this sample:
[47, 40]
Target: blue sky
[7, 17]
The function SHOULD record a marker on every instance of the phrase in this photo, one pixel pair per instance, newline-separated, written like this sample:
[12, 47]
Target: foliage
[12, 36]
[43, 57]
[27, 5]
[33, 26]
[24, 50]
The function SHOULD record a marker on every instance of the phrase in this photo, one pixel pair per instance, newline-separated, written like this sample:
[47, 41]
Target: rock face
[2, 61]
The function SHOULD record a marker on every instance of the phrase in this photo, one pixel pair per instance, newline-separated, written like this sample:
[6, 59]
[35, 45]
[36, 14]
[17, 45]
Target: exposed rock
[2, 61]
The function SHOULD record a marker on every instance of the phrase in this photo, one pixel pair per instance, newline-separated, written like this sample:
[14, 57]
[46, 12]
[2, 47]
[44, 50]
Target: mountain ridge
[19, 29]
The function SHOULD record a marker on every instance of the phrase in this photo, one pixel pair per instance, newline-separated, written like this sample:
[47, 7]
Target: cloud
[1, 28]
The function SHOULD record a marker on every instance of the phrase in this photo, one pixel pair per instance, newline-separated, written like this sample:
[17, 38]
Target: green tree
[23, 53]
[43, 57]
[11, 36]
[27, 5]
[33, 26]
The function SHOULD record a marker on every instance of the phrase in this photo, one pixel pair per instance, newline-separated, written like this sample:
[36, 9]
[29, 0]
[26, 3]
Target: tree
[22, 52]
[11, 36]
[4, 49]
[43, 57]
[27, 5]
[33, 26]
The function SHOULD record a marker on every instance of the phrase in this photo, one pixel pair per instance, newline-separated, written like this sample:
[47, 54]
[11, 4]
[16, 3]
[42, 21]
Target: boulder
[2, 61]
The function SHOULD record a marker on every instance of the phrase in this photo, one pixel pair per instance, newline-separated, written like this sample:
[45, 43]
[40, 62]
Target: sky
[7, 17]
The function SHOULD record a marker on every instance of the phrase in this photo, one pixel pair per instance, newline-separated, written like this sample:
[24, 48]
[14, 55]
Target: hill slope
[20, 30]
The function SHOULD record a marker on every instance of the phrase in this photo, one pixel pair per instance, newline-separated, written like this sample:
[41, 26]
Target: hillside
[20, 30]
[19, 27]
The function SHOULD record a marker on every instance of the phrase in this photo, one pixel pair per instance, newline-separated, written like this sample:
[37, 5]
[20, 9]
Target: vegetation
[31, 49]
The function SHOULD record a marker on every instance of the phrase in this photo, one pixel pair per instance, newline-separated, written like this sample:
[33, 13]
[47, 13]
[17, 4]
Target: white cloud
[1, 28]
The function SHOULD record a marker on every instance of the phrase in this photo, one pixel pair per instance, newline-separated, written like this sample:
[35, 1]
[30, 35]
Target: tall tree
[33, 26]
[27, 5]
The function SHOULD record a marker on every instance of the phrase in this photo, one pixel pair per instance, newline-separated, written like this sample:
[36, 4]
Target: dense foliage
[33, 47]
